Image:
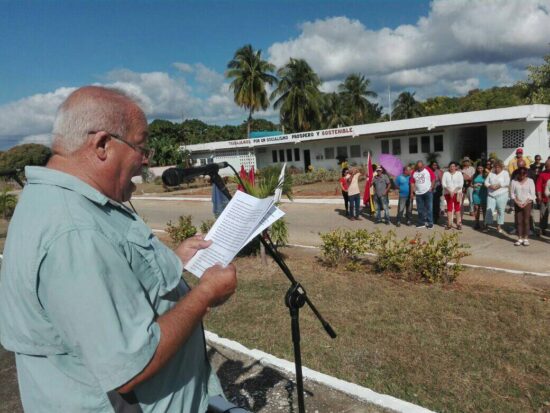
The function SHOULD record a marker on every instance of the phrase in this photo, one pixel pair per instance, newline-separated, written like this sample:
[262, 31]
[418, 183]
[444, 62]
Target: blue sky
[172, 54]
[50, 44]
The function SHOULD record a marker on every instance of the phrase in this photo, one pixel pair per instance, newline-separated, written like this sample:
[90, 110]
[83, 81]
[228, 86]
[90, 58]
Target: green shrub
[278, 232]
[182, 230]
[346, 246]
[206, 225]
[8, 203]
[435, 260]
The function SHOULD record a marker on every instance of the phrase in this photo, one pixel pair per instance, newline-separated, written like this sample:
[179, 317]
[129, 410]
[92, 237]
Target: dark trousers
[354, 202]
[346, 201]
[424, 204]
[544, 209]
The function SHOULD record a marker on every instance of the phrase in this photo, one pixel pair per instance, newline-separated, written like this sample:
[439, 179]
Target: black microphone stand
[295, 298]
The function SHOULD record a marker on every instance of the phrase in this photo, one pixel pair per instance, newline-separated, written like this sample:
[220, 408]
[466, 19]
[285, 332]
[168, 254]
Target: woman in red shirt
[344, 188]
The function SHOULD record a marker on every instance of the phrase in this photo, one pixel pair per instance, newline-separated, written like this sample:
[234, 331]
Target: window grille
[513, 138]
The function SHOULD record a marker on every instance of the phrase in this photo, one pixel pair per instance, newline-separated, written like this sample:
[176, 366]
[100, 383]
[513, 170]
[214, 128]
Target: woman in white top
[497, 184]
[452, 183]
[523, 194]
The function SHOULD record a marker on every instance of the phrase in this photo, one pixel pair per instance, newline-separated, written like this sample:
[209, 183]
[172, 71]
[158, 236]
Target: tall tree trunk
[248, 124]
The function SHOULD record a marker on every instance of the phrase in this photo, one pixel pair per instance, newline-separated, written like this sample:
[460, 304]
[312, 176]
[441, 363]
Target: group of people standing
[489, 187]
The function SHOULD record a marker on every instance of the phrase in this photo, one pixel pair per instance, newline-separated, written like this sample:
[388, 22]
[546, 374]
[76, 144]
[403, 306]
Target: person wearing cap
[513, 165]
[381, 183]
[468, 172]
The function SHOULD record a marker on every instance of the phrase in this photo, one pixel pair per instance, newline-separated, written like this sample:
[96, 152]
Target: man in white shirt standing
[422, 185]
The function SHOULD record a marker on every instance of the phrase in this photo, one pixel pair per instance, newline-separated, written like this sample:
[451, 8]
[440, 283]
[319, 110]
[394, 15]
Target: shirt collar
[48, 176]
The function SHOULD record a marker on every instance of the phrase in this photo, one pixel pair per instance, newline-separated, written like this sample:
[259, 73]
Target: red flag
[244, 177]
[251, 175]
[369, 174]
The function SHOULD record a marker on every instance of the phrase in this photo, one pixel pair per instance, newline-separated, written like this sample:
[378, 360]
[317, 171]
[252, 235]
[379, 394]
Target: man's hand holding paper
[243, 218]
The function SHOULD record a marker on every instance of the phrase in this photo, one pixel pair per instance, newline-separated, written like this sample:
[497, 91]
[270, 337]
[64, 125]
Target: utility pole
[389, 99]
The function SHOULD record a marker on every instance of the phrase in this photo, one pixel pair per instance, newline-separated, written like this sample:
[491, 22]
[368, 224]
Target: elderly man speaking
[91, 302]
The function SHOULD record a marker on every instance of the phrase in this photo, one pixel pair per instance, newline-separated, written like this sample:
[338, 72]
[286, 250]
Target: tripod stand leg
[295, 325]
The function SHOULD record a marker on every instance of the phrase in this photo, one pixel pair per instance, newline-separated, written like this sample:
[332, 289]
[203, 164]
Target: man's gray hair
[90, 108]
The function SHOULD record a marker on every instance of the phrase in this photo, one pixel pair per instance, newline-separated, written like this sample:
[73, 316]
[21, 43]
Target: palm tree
[334, 111]
[250, 75]
[297, 96]
[355, 91]
[406, 107]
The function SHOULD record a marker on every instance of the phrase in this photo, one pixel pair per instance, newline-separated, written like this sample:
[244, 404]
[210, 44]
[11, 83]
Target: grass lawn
[481, 345]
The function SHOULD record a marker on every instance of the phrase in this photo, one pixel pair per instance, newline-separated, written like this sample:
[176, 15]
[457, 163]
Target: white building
[453, 136]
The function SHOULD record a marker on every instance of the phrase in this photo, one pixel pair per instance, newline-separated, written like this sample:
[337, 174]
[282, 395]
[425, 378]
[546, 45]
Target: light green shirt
[82, 283]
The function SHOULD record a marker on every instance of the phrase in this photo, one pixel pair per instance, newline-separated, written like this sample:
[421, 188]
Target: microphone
[9, 172]
[175, 176]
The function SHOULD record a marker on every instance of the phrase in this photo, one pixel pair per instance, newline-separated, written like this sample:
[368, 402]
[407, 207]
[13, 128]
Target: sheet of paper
[230, 231]
[272, 215]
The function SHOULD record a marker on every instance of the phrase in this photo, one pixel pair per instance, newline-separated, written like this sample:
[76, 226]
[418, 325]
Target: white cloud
[459, 41]
[42, 138]
[458, 46]
[31, 115]
[183, 67]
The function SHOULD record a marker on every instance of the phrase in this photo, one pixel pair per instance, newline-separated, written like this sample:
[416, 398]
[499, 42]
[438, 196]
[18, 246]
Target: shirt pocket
[155, 265]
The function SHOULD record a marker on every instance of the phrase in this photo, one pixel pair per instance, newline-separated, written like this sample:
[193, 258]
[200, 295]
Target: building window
[281, 155]
[296, 154]
[513, 138]
[210, 160]
[413, 145]
[289, 155]
[438, 143]
[329, 153]
[202, 161]
[355, 151]
[385, 146]
[342, 151]
[425, 144]
[396, 146]
[274, 156]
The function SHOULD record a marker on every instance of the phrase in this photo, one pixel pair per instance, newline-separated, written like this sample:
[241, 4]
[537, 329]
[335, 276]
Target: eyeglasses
[147, 153]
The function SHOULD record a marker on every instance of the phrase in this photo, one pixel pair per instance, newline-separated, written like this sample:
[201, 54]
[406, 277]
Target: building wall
[531, 136]
[235, 157]
[324, 153]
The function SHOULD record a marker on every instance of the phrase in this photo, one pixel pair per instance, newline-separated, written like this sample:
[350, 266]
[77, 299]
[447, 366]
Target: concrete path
[306, 221]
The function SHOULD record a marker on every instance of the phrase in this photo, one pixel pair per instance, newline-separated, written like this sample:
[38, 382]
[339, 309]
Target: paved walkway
[307, 220]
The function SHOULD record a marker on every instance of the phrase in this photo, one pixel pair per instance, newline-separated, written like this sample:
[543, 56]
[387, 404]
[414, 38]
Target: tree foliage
[355, 93]
[334, 112]
[537, 87]
[25, 155]
[297, 96]
[406, 107]
[250, 75]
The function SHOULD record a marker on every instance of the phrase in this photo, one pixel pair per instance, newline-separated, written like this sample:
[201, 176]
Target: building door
[307, 160]
[472, 142]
